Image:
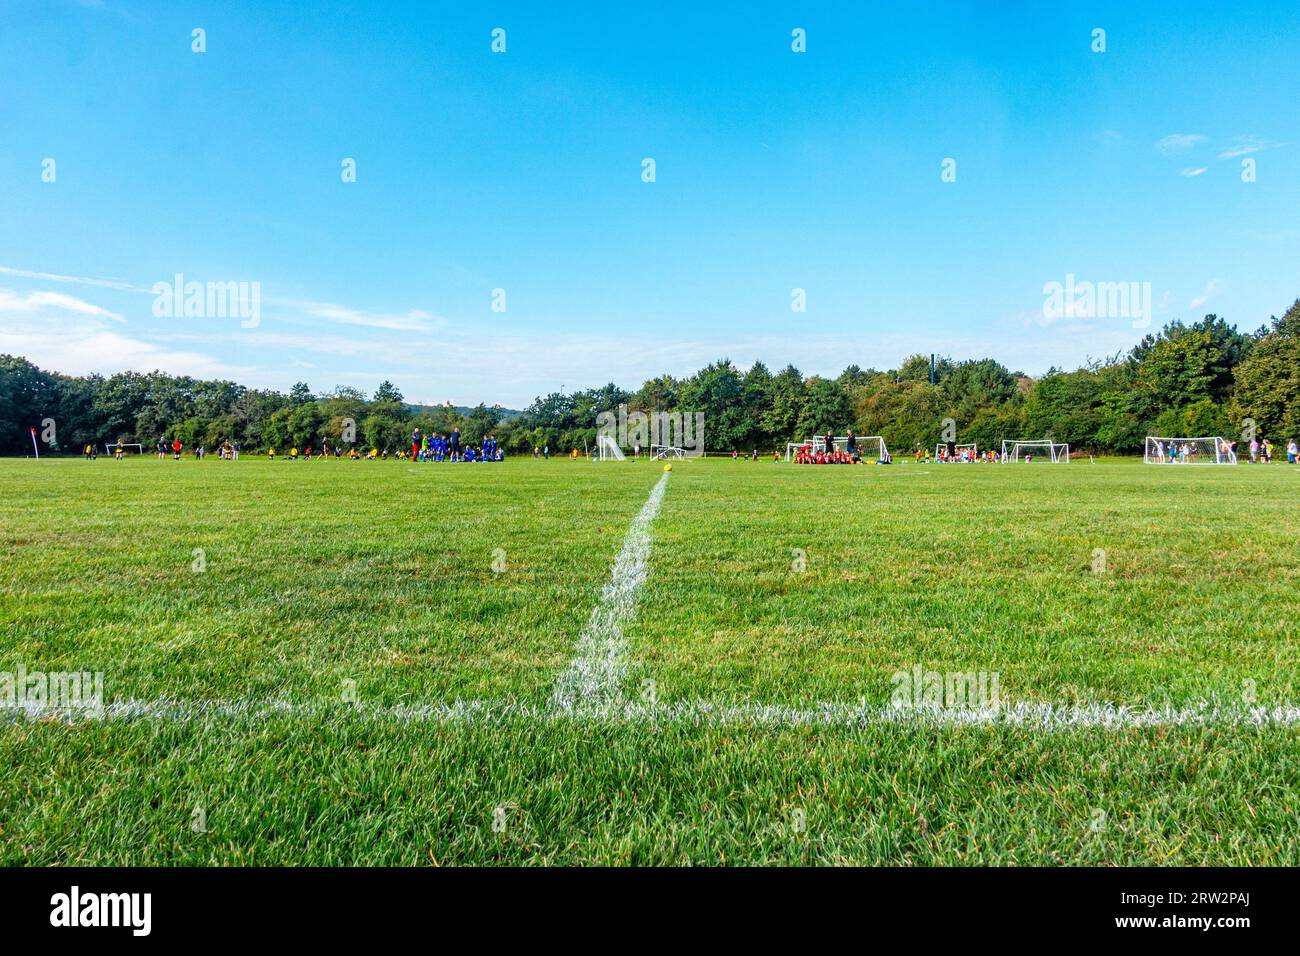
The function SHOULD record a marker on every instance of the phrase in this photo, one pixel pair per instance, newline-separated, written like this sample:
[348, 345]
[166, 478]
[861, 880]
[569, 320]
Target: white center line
[594, 679]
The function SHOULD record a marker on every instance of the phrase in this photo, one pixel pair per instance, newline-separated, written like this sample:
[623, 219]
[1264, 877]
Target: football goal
[1056, 452]
[128, 448]
[607, 449]
[870, 447]
[662, 452]
[961, 452]
[1211, 450]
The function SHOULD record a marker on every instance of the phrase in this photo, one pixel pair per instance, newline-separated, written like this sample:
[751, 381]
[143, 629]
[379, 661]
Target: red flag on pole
[34, 448]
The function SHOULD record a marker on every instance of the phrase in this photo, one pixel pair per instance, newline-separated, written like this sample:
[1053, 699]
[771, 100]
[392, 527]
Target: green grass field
[357, 662]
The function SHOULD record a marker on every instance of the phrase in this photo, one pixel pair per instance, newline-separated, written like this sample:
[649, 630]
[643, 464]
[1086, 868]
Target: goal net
[128, 448]
[1211, 450]
[870, 447]
[661, 452]
[607, 449]
[1055, 452]
[961, 452]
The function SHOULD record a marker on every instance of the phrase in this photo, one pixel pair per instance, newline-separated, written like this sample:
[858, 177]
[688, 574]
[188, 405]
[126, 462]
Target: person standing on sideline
[455, 443]
[415, 444]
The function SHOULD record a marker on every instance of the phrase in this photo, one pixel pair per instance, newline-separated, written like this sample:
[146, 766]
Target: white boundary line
[1032, 716]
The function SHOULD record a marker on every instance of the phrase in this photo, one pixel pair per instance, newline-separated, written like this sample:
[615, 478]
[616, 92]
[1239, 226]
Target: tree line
[1203, 378]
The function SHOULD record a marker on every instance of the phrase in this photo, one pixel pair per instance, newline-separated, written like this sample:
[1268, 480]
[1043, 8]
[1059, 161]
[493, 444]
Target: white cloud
[1212, 288]
[39, 303]
[120, 284]
[1192, 171]
[1246, 145]
[413, 320]
[69, 335]
[1175, 144]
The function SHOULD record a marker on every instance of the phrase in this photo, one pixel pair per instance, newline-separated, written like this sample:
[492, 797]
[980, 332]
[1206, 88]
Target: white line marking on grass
[1030, 716]
[595, 676]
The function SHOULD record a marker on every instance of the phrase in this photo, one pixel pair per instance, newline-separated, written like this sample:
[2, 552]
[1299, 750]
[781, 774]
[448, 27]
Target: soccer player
[455, 444]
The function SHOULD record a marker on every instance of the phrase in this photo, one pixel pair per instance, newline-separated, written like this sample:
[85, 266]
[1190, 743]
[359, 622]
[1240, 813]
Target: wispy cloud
[1192, 171]
[70, 335]
[413, 320]
[1175, 144]
[37, 303]
[119, 284]
[1212, 288]
[1246, 145]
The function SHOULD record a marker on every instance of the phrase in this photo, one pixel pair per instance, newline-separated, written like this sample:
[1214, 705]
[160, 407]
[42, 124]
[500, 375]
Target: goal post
[128, 448]
[607, 449]
[870, 447]
[1017, 450]
[941, 449]
[664, 452]
[1206, 450]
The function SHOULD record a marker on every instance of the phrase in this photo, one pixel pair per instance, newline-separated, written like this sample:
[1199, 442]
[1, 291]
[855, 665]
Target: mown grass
[312, 574]
[343, 790]
[977, 568]
[382, 573]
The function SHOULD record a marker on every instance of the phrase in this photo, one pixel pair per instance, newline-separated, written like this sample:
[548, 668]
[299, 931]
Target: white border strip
[1033, 716]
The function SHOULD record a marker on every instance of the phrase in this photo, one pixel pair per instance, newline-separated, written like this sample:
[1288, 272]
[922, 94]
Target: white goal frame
[607, 449]
[109, 447]
[1155, 451]
[974, 450]
[1058, 452]
[841, 442]
[660, 452]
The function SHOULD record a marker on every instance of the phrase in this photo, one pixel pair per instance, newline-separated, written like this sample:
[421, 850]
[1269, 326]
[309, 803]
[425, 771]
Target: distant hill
[505, 413]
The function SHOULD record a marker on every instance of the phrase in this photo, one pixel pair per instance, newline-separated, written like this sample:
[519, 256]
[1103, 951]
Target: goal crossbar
[958, 448]
[864, 444]
[1205, 450]
[608, 450]
[1058, 452]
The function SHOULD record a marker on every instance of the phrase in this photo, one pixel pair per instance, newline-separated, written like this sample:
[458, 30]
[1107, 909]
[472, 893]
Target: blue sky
[521, 171]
